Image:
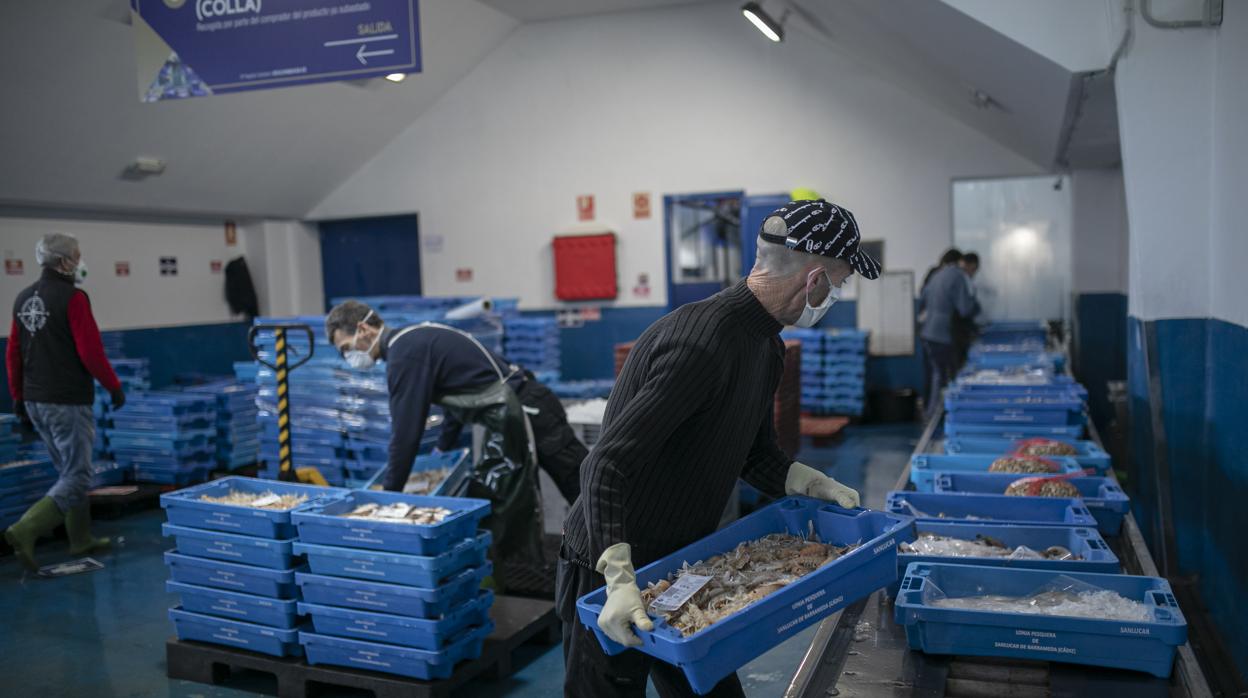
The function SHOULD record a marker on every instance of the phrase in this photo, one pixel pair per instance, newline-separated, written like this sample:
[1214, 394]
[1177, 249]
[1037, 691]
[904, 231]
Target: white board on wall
[886, 310]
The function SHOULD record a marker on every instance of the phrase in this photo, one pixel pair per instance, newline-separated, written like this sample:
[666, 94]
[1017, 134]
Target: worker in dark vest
[525, 423]
[54, 352]
[690, 413]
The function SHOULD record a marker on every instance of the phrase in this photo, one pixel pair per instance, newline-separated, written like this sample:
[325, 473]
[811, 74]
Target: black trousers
[591, 673]
[559, 452]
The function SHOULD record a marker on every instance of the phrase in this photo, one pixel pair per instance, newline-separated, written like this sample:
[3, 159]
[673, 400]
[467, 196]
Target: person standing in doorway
[965, 328]
[946, 295]
[54, 352]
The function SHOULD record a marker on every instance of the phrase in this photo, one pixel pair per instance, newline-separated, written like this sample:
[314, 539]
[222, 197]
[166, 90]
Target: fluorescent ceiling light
[764, 22]
[396, 77]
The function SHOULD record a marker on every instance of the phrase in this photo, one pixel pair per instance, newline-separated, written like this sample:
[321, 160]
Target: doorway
[370, 257]
[702, 240]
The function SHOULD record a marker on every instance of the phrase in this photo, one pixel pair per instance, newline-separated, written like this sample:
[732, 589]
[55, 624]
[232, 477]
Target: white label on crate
[266, 500]
[679, 592]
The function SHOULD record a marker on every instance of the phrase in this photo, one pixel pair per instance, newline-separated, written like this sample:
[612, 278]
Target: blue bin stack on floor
[135, 377]
[167, 437]
[834, 369]
[395, 597]
[234, 566]
[238, 422]
[533, 342]
[25, 473]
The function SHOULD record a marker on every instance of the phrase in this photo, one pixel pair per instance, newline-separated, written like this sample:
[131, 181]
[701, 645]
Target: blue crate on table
[1034, 511]
[1147, 646]
[1093, 553]
[230, 547]
[925, 467]
[1015, 431]
[223, 631]
[395, 568]
[18, 473]
[393, 659]
[1101, 495]
[324, 523]
[185, 508]
[421, 633]
[712, 653]
[262, 610]
[231, 576]
[395, 599]
[1090, 454]
[1015, 416]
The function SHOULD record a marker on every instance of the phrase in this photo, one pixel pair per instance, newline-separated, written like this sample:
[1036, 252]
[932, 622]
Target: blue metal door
[370, 257]
[702, 244]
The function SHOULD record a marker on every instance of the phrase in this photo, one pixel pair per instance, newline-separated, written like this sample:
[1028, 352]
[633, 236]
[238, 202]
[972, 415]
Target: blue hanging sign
[192, 48]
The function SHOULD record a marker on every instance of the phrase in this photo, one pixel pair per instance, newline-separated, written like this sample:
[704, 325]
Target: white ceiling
[72, 119]
[539, 10]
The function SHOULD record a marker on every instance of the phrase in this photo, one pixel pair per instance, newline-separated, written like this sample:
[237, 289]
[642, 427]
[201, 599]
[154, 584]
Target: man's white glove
[803, 479]
[623, 608]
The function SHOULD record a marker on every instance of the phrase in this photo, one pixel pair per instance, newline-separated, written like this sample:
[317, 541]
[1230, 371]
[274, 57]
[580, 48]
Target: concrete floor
[102, 634]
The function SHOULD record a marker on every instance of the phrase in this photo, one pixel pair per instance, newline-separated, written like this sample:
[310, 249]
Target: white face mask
[362, 359]
[811, 315]
[80, 272]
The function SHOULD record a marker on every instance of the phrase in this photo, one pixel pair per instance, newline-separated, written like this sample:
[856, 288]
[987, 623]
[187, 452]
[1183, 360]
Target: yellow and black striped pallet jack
[282, 367]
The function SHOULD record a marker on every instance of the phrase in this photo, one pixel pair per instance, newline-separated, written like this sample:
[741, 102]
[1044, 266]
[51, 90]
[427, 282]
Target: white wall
[1181, 102]
[144, 298]
[677, 100]
[1099, 225]
[1075, 34]
[284, 257]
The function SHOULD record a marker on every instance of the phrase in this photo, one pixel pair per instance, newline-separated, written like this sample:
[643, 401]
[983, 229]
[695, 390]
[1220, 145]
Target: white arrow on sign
[363, 53]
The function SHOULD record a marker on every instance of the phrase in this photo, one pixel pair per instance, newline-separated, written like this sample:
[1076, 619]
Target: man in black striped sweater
[690, 413]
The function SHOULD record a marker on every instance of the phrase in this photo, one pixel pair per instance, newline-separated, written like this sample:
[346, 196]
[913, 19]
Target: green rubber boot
[78, 529]
[39, 520]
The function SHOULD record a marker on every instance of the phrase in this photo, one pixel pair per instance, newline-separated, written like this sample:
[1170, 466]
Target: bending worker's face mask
[362, 359]
[811, 315]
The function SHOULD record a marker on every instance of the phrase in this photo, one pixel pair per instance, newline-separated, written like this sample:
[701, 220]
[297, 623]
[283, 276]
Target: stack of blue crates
[234, 565]
[238, 422]
[135, 377]
[533, 342]
[167, 437]
[25, 475]
[834, 369]
[396, 597]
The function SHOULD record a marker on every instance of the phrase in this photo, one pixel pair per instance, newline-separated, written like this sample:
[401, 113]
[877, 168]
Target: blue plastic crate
[1147, 646]
[158, 404]
[1015, 431]
[322, 523]
[109, 473]
[1012, 416]
[245, 550]
[262, 610]
[421, 633]
[20, 473]
[393, 659]
[222, 631]
[184, 508]
[246, 579]
[161, 424]
[180, 476]
[1034, 511]
[711, 654]
[28, 493]
[394, 599]
[1082, 541]
[1101, 495]
[1090, 455]
[412, 570]
[925, 467]
[178, 444]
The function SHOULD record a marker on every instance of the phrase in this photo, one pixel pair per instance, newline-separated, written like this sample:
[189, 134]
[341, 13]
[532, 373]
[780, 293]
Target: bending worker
[54, 351]
[690, 413]
[430, 364]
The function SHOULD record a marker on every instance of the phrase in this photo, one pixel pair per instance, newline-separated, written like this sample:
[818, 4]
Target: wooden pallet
[823, 429]
[517, 621]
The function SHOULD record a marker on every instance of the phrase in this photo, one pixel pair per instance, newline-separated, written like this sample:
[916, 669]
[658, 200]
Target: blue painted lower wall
[173, 351]
[1099, 349]
[1204, 385]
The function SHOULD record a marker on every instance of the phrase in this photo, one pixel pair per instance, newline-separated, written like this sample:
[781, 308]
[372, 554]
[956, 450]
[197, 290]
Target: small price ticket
[679, 592]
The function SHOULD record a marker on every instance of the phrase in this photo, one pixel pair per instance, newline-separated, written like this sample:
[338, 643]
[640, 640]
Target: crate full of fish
[231, 576]
[1105, 620]
[414, 663]
[1016, 415]
[924, 468]
[242, 505]
[390, 521]
[421, 633]
[433, 474]
[1034, 511]
[1088, 454]
[395, 568]
[278, 642]
[1075, 549]
[730, 597]
[261, 610]
[1101, 495]
[393, 599]
[1015, 431]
